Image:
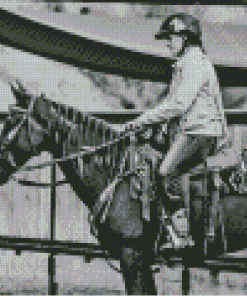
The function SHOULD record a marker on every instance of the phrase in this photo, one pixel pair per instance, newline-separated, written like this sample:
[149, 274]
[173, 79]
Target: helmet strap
[185, 44]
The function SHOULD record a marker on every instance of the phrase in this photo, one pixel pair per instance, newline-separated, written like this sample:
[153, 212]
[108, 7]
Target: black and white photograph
[123, 148]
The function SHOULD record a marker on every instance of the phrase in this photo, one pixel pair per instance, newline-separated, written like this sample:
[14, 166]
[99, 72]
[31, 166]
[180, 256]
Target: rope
[88, 151]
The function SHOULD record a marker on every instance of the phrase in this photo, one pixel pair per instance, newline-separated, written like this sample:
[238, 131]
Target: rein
[79, 154]
[84, 151]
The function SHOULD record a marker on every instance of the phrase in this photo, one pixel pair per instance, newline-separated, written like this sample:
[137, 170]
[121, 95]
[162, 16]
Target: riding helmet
[180, 24]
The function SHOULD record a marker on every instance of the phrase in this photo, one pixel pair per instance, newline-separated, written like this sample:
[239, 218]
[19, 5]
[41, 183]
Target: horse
[37, 124]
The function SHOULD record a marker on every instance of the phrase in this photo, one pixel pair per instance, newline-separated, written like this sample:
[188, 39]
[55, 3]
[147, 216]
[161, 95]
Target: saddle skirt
[142, 184]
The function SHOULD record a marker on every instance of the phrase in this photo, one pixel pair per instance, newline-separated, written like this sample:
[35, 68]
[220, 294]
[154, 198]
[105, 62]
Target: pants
[186, 152]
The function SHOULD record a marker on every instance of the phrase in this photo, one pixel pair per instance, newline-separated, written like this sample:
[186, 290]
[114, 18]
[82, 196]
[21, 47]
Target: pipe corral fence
[91, 251]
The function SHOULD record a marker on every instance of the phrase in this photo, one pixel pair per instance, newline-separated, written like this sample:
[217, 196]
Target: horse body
[60, 131]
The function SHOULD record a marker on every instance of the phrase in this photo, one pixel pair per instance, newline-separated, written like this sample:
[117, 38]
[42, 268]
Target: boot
[164, 238]
[175, 238]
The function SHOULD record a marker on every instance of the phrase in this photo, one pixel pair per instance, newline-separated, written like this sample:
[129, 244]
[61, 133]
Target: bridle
[23, 115]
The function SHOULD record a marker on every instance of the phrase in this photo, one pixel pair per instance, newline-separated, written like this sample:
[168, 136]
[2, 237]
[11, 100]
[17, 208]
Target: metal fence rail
[20, 244]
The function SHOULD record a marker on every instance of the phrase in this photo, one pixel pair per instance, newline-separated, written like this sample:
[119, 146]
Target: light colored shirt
[194, 94]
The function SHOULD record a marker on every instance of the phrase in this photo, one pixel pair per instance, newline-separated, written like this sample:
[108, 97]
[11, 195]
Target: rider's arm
[184, 89]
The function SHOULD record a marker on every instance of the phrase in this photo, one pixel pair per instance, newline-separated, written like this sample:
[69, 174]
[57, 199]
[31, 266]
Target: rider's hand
[128, 126]
[133, 125]
[120, 128]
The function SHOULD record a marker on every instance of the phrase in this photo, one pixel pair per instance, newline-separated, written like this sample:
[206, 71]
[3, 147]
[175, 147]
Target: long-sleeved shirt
[194, 94]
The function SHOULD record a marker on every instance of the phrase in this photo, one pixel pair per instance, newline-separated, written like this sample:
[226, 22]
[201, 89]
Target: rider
[193, 95]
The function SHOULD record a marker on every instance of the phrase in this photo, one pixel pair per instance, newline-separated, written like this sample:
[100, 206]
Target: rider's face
[175, 44]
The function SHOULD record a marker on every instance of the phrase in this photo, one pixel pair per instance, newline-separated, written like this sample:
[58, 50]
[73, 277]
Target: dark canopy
[80, 51]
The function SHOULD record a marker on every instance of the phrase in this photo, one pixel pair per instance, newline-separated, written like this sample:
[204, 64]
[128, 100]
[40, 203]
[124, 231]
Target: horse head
[21, 137]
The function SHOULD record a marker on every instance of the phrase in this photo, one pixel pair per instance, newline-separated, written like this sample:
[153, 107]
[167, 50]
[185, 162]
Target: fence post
[185, 273]
[186, 254]
[52, 285]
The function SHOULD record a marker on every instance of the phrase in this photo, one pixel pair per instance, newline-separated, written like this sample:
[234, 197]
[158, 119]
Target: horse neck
[71, 131]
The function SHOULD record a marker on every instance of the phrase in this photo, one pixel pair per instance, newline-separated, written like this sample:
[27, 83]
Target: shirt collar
[191, 53]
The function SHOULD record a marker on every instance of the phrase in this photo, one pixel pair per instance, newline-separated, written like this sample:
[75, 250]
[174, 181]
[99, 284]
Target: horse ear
[22, 97]
[17, 88]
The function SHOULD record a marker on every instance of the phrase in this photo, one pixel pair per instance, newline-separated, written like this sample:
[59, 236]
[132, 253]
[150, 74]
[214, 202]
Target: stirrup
[177, 242]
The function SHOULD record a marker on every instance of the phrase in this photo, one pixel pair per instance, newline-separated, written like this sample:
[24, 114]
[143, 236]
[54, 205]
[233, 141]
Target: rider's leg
[186, 152]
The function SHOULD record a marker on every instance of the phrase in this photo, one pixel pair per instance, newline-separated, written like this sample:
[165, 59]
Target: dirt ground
[75, 277]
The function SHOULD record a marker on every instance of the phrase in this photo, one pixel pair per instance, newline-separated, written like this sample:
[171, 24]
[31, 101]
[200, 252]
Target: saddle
[142, 184]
